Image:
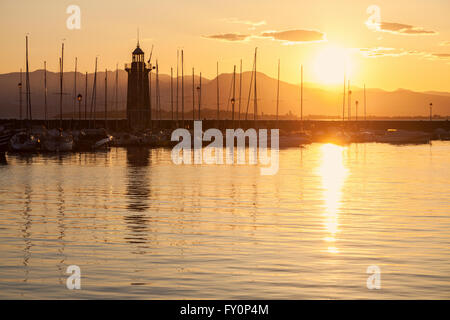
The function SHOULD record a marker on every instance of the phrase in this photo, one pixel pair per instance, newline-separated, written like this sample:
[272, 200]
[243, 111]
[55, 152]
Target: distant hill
[317, 101]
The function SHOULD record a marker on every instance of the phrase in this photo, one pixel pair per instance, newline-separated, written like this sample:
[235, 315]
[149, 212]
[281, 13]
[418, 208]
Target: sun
[330, 65]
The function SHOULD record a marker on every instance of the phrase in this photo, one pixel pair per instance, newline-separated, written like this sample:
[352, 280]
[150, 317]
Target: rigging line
[250, 91]
[229, 94]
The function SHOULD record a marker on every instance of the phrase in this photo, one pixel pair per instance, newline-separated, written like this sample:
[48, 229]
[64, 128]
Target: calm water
[140, 227]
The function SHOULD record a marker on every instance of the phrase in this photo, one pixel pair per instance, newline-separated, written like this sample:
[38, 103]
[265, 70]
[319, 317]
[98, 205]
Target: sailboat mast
[60, 94]
[85, 97]
[45, 93]
[233, 100]
[278, 89]
[94, 96]
[28, 94]
[200, 97]
[74, 89]
[343, 101]
[301, 96]
[240, 94]
[171, 92]
[365, 110]
[178, 59]
[182, 87]
[20, 96]
[255, 101]
[106, 98]
[193, 95]
[95, 92]
[156, 94]
[250, 91]
[61, 87]
[116, 94]
[217, 95]
[349, 115]
[158, 97]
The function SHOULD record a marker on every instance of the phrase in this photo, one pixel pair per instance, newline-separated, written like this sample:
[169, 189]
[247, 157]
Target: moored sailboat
[25, 141]
[5, 136]
[395, 136]
[57, 141]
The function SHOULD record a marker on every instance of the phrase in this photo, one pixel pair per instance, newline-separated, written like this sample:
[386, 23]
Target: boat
[57, 141]
[164, 139]
[92, 139]
[364, 136]
[5, 136]
[126, 139]
[332, 135]
[442, 134]
[294, 139]
[395, 136]
[150, 139]
[24, 142]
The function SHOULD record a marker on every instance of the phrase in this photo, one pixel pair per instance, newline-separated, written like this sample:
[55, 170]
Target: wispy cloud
[377, 52]
[441, 55]
[229, 37]
[295, 36]
[403, 29]
[382, 52]
[251, 24]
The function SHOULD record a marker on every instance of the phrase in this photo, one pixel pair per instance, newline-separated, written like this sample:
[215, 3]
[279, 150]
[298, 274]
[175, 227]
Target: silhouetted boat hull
[394, 136]
[57, 141]
[24, 142]
[5, 137]
[92, 139]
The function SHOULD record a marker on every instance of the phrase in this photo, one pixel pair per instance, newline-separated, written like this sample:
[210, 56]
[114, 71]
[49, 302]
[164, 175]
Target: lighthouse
[138, 100]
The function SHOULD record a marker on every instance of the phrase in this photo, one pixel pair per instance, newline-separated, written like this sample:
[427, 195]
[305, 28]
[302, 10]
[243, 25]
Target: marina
[225, 156]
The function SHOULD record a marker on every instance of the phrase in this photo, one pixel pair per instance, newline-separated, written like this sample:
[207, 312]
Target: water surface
[140, 227]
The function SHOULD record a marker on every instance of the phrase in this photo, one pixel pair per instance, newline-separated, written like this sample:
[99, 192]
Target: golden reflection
[333, 174]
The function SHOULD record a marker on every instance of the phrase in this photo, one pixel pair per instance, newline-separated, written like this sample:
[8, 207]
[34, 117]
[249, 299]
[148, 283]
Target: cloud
[441, 55]
[395, 52]
[445, 43]
[229, 37]
[295, 36]
[403, 29]
[252, 24]
[382, 52]
[390, 52]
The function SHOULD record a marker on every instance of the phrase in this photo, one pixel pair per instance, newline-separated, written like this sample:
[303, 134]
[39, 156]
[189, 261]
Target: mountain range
[318, 102]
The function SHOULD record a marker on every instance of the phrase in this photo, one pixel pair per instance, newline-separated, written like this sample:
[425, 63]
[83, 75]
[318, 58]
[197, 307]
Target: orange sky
[409, 48]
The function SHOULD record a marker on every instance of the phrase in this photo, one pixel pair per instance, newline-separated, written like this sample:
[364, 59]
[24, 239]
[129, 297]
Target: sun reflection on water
[333, 174]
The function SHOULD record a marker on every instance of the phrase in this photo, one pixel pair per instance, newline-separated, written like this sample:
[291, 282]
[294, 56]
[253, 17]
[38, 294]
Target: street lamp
[199, 94]
[431, 111]
[79, 98]
[19, 85]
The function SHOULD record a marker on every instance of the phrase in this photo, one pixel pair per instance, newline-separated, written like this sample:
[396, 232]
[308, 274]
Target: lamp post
[431, 111]
[233, 101]
[199, 95]
[19, 85]
[79, 98]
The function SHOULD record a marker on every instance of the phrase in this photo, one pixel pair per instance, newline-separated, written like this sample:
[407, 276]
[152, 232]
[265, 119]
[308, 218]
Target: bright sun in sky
[330, 64]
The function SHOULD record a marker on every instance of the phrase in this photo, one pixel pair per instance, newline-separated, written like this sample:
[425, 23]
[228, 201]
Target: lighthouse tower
[138, 100]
